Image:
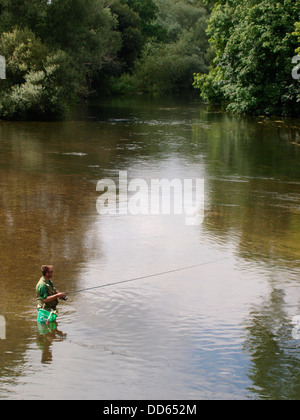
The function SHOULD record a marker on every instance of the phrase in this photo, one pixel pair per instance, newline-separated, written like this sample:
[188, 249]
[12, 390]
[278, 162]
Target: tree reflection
[274, 354]
[45, 219]
[253, 183]
[46, 335]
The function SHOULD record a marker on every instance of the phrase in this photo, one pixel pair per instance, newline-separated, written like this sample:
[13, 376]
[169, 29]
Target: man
[47, 295]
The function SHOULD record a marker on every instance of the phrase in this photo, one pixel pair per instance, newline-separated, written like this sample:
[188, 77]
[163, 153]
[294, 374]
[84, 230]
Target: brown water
[221, 330]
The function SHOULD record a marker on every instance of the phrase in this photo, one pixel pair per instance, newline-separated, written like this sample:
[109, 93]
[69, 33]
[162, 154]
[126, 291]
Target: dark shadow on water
[46, 335]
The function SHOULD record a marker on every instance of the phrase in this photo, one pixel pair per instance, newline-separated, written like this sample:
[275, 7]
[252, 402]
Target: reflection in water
[186, 330]
[275, 358]
[47, 333]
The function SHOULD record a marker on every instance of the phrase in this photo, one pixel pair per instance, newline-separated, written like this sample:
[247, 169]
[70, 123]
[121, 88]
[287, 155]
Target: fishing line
[146, 277]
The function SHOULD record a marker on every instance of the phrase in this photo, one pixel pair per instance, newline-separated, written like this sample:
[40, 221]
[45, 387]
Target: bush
[297, 34]
[169, 66]
[38, 81]
[254, 47]
[124, 84]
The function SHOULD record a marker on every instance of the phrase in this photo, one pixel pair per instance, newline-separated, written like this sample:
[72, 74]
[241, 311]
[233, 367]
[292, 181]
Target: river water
[226, 328]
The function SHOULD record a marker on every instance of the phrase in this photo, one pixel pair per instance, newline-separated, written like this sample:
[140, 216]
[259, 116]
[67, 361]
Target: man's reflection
[46, 334]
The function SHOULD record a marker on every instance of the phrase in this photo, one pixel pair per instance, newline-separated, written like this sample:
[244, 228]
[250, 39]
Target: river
[214, 310]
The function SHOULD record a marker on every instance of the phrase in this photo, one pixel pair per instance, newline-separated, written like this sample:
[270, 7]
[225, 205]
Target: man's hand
[53, 297]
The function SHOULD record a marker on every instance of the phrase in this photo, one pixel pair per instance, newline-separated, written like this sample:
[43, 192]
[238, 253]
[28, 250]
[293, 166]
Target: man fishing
[47, 295]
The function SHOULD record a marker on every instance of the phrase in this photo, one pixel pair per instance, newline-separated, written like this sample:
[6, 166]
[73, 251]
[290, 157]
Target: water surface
[217, 331]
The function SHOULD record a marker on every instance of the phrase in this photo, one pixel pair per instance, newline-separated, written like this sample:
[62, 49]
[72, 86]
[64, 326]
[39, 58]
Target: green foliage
[23, 13]
[125, 84]
[77, 37]
[38, 81]
[60, 49]
[211, 85]
[129, 26]
[86, 33]
[254, 45]
[168, 66]
[297, 34]
[147, 10]
[177, 17]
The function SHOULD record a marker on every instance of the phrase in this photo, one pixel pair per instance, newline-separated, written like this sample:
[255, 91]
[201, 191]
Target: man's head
[47, 271]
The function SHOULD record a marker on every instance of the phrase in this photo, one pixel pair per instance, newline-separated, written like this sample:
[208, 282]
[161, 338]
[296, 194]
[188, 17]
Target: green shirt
[45, 288]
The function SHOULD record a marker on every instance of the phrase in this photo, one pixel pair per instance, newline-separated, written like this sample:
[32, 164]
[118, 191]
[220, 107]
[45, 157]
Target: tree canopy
[237, 52]
[254, 44]
[297, 34]
[53, 49]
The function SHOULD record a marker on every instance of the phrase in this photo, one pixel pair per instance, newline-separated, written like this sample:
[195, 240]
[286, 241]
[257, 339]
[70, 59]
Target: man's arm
[54, 297]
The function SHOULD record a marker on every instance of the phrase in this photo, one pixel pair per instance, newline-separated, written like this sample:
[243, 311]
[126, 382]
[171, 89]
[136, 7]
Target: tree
[147, 10]
[254, 45]
[85, 29]
[179, 16]
[297, 34]
[129, 27]
[23, 14]
[69, 42]
[38, 81]
[168, 66]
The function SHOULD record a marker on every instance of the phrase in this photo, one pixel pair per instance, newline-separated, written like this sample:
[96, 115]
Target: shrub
[38, 81]
[254, 46]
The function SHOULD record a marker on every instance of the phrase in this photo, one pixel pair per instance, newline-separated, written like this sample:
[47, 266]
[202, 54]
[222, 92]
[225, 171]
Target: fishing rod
[145, 277]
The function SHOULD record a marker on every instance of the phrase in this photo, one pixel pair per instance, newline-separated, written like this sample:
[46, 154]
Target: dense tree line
[53, 49]
[60, 50]
[237, 52]
[254, 42]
